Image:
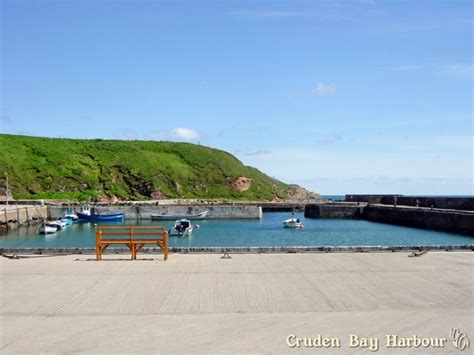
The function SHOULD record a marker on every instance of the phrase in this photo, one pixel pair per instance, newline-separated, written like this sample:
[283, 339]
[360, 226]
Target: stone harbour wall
[13, 216]
[145, 211]
[456, 203]
[442, 220]
[333, 210]
[453, 221]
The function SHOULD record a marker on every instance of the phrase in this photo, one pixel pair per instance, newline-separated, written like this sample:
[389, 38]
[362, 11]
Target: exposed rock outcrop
[297, 193]
[242, 184]
[157, 195]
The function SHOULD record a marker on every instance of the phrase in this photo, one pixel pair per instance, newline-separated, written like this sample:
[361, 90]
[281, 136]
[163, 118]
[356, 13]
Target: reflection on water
[268, 231]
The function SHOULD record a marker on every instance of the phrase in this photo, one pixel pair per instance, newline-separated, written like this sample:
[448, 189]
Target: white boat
[70, 215]
[200, 215]
[59, 224]
[47, 228]
[292, 223]
[67, 221]
[181, 228]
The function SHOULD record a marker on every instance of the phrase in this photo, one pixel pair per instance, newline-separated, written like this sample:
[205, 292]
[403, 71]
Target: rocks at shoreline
[299, 194]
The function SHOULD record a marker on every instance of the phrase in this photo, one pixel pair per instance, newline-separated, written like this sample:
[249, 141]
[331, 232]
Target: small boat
[59, 224]
[200, 215]
[292, 223]
[71, 215]
[66, 221]
[47, 228]
[86, 214]
[181, 228]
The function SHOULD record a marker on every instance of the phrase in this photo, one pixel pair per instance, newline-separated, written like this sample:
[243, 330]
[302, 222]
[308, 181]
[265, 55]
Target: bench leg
[134, 252]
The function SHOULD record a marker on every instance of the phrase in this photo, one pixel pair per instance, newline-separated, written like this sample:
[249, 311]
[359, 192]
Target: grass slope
[82, 169]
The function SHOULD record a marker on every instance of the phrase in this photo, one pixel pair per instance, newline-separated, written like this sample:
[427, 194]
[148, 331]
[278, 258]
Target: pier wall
[453, 221]
[12, 217]
[442, 220]
[455, 203]
[333, 210]
[282, 207]
[145, 211]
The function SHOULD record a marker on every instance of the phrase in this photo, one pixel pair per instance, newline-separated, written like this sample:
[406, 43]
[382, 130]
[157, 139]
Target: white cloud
[254, 153]
[323, 89]
[447, 70]
[184, 134]
[178, 134]
[457, 70]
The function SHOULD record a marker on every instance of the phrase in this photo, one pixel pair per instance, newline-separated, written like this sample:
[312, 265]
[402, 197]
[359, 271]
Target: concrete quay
[200, 303]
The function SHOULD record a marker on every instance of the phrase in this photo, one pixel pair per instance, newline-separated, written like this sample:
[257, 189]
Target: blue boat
[86, 214]
[68, 221]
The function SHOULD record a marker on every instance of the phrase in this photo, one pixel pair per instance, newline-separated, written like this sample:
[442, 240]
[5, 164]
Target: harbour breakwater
[145, 211]
[461, 222]
[465, 203]
[454, 221]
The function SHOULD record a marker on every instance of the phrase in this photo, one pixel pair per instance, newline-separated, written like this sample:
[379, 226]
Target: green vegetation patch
[79, 169]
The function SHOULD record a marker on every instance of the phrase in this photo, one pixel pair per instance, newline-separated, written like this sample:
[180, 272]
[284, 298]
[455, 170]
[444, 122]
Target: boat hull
[47, 229]
[174, 233]
[101, 217]
[67, 221]
[292, 225]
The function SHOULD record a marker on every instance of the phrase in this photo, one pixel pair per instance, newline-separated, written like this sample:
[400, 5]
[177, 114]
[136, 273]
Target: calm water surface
[265, 232]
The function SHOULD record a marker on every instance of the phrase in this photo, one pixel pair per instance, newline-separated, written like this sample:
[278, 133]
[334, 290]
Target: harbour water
[266, 232]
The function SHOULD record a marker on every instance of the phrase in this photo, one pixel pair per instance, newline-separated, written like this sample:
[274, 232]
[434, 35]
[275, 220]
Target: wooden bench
[135, 238]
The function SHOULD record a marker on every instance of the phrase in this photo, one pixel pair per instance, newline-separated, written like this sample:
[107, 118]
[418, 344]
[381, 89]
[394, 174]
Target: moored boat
[191, 216]
[47, 228]
[292, 223]
[86, 214]
[67, 221]
[181, 228]
[71, 215]
[59, 224]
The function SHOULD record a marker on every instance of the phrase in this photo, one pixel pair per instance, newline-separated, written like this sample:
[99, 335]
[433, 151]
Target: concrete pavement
[200, 303]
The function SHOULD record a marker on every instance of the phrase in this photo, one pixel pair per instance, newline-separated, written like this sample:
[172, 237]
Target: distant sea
[334, 197]
[342, 197]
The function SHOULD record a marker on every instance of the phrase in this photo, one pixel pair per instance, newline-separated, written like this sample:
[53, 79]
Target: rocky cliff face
[299, 194]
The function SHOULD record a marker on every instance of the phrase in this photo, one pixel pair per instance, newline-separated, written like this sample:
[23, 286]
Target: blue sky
[339, 96]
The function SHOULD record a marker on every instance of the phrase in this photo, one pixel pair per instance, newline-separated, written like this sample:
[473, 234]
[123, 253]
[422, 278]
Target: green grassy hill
[81, 169]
